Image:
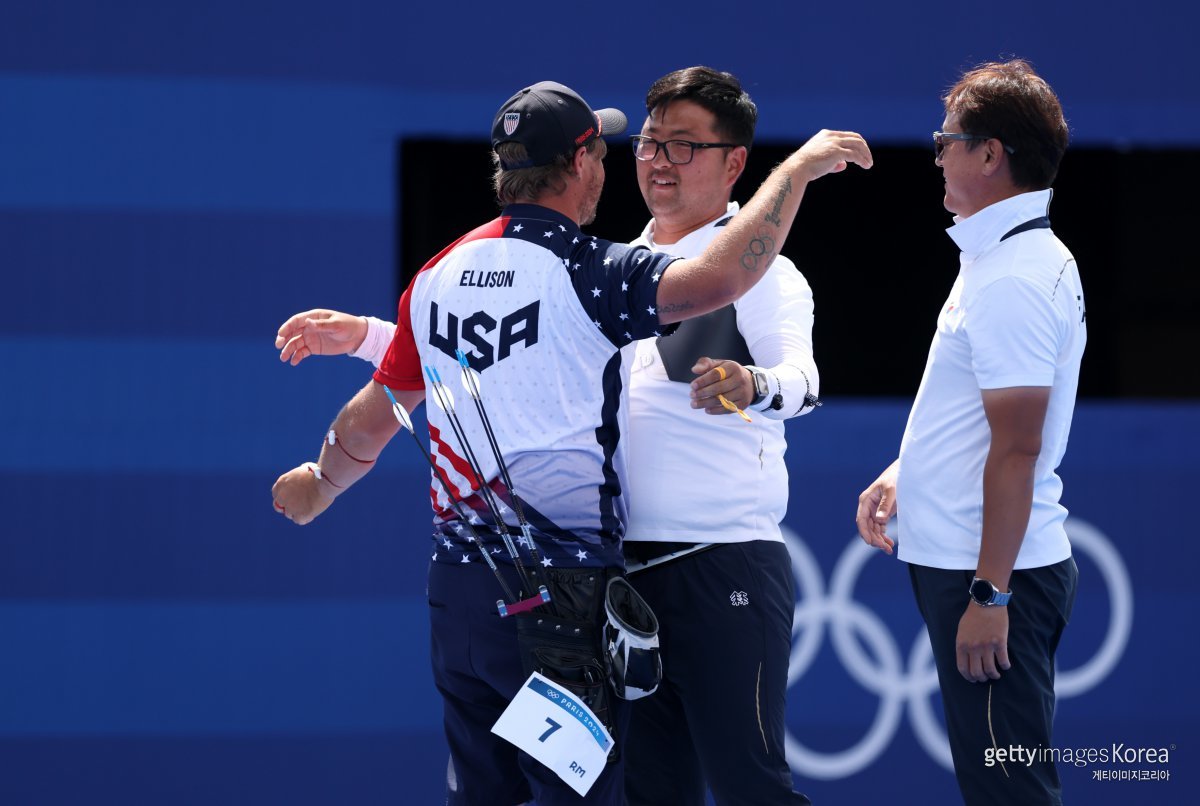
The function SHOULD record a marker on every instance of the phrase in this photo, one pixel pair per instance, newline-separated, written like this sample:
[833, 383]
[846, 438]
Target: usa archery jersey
[541, 311]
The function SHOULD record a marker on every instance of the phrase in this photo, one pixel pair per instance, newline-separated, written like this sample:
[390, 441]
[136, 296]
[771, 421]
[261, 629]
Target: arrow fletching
[470, 378]
[398, 410]
[470, 382]
[442, 396]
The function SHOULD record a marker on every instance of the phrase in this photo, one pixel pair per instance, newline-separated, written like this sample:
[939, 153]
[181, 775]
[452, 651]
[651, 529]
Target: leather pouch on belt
[561, 640]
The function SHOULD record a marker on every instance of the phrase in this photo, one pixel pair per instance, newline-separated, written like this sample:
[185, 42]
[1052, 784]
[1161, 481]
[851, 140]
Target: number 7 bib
[556, 728]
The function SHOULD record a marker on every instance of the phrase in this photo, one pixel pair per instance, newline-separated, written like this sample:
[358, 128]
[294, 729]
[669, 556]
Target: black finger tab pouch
[561, 640]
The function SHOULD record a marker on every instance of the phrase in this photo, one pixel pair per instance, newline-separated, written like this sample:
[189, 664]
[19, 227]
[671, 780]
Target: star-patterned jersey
[541, 311]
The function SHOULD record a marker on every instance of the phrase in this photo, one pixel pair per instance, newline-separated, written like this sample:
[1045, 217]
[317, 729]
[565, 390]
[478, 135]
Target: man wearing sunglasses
[707, 493]
[546, 333]
[975, 489]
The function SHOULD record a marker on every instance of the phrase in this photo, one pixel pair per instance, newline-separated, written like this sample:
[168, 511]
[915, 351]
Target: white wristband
[375, 343]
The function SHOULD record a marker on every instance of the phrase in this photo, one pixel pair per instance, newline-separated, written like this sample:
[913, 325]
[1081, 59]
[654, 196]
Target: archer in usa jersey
[541, 312]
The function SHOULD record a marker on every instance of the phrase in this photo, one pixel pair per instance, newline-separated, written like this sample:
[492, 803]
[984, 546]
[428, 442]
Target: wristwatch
[761, 386]
[985, 594]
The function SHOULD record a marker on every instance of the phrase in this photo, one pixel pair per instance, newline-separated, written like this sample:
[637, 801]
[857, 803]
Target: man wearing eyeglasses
[975, 489]
[544, 311]
[707, 493]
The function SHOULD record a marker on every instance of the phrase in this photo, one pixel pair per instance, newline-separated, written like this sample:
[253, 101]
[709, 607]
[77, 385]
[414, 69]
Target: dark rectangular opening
[872, 246]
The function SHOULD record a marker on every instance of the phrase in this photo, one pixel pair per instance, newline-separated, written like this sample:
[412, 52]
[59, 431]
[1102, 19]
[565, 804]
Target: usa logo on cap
[511, 119]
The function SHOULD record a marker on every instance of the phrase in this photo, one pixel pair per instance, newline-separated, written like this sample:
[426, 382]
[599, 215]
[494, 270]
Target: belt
[642, 554]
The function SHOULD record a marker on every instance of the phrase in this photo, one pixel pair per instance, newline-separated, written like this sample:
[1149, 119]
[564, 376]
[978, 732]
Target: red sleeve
[401, 365]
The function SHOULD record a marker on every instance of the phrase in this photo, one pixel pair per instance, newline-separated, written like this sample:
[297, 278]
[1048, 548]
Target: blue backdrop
[176, 179]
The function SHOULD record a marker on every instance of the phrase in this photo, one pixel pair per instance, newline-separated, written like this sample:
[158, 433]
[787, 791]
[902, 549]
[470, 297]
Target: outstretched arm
[319, 332]
[325, 332]
[356, 438]
[738, 258]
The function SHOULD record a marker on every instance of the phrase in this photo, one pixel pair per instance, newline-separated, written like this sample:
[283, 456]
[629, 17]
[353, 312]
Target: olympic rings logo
[911, 682]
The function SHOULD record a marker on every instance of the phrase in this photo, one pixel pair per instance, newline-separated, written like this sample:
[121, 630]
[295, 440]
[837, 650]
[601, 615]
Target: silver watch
[761, 386]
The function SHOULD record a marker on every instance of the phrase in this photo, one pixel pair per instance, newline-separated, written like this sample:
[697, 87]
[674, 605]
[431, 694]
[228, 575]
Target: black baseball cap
[550, 119]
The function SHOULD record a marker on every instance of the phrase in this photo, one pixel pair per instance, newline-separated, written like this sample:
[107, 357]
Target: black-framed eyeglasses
[940, 139]
[679, 152]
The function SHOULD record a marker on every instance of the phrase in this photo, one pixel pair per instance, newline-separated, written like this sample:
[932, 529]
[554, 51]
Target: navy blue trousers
[717, 719]
[1018, 709]
[477, 668]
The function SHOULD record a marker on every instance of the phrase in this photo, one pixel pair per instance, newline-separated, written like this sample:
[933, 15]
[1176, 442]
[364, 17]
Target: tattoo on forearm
[676, 307]
[760, 251]
[773, 216]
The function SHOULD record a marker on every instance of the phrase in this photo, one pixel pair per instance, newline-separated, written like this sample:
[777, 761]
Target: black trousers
[477, 668]
[1016, 711]
[725, 626]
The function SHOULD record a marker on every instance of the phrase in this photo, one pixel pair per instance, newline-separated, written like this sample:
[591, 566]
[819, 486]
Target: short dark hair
[516, 185]
[1011, 102]
[718, 92]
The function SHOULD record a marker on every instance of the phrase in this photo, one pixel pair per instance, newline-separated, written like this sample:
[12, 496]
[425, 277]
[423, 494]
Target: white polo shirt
[703, 478]
[1015, 317]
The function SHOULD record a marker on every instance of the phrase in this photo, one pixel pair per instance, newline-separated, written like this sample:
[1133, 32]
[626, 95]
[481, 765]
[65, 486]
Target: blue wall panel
[1125, 71]
[194, 278]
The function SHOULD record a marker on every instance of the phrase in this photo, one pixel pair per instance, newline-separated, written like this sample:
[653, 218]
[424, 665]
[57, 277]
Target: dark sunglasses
[941, 138]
